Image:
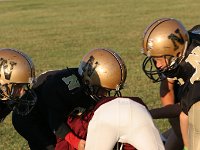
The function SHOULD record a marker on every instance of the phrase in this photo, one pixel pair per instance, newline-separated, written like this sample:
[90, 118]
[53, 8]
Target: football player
[173, 52]
[17, 75]
[124, 120]
[170, 92]
[114, 120]
[61, 93]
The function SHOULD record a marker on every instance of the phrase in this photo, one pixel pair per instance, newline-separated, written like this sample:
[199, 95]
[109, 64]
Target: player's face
[161, 62]
[11, 91]
[18, 91]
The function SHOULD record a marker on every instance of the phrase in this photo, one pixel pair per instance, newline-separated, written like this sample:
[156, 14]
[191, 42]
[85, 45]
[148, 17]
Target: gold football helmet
[17, 74]
[103, 69]
[167, 38]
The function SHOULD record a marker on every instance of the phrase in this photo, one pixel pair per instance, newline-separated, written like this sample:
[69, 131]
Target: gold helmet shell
[15, 67]
[17, 74]
[165, 37]
[103, 68]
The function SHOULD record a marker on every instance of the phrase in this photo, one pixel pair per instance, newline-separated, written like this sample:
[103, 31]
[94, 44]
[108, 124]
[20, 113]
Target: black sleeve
[54, 94]
[169, 111]
[58, 124]
[4, 111]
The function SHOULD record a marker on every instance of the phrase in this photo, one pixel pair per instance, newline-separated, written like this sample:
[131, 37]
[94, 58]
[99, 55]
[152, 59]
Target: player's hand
[81, 145]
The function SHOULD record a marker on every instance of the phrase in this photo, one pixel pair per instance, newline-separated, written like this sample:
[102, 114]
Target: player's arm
[55, 95]
[61, 129]
[4, 111]
[167, 92]
[169, 109]
[58, 124]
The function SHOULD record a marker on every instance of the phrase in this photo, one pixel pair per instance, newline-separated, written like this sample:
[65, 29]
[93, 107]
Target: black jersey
[58, 93]
[4, 110]
[189, 72]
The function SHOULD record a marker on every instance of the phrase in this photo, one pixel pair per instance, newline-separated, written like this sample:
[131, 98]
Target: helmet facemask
[19, 97]
[97, 92]
[158, 74]
[26, 103]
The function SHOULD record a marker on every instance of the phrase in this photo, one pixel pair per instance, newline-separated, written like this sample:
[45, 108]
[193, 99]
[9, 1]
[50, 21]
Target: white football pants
[122, 120]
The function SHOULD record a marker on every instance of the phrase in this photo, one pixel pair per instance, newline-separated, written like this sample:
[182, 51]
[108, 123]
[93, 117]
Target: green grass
[56, 34]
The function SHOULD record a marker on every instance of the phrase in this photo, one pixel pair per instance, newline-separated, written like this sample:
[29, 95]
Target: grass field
[57, 33]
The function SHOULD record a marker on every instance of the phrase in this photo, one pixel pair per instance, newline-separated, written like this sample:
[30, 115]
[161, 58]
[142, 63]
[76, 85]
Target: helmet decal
[149, 46]
[175, 39]
[7, 67]
[89, 66]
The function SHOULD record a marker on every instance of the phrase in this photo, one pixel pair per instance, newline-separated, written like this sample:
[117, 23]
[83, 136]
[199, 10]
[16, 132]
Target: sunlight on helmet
[101, 70]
